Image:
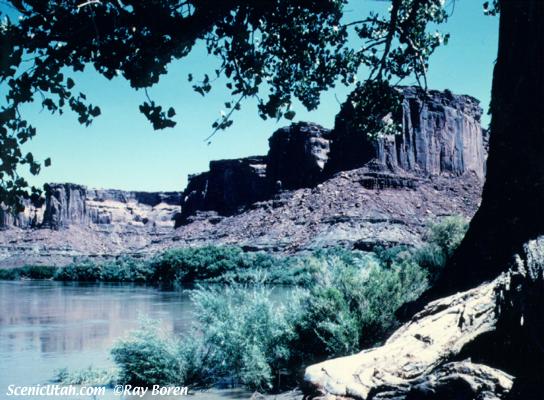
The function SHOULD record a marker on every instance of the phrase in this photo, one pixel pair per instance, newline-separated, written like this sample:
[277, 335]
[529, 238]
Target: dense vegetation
[345, 301]
[217, 264]
[224, 264]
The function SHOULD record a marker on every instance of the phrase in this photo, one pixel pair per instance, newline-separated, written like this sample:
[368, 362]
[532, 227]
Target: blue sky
[121, 150]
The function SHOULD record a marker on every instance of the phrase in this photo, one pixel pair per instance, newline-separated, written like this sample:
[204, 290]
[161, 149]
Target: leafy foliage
[275, 51]
[442, 239]
[28, 272]
[374, 108]
[352, 306]
[243, 336]
[148, 357]
[88, 376]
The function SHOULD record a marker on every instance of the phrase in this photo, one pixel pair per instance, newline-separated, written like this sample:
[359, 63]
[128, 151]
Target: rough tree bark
[512, 208]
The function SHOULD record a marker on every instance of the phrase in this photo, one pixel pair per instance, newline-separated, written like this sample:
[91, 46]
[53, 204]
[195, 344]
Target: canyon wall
[68, 204]
[315, 188]
[440, 135]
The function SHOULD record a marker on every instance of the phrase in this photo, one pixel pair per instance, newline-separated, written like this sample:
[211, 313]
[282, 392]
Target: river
[46, 325]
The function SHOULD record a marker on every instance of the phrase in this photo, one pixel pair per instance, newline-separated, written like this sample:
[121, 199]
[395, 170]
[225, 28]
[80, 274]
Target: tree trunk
[512, 208]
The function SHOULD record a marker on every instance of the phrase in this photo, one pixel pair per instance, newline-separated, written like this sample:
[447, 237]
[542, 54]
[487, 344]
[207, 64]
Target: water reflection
[45, 326]
[50, 325]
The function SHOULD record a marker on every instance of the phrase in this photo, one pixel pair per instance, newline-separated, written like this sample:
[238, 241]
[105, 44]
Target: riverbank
[209, 264]
[240, 333]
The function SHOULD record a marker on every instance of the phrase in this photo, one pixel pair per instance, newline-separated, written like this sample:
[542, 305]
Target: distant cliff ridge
[66, 204]
[441, 135]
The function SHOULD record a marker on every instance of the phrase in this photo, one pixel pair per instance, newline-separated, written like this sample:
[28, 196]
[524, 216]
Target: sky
[121, 150]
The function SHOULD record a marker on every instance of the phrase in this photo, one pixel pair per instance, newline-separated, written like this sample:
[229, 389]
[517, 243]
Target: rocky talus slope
[472, 345]
[316, 187]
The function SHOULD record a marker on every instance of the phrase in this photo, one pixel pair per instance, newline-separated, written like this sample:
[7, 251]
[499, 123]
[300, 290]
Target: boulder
[440, 134]
[297, 155]
[498, 323]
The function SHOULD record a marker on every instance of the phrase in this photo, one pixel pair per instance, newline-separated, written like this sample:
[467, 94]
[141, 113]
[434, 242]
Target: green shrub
[246, 335]
[199, 263]
[85, 271]
[28, 272]
[126, 269]
[88, 376]
[352, 306]
[9, 274]
[388, 256]
[240, 337]
[38, 272]
[442, 239]
[447, 233]
[148, 357]
[243, 337]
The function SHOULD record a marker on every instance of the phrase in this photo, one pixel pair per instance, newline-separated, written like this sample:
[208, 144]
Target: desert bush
[242, 336]
[84, 271]
[352, 306]
[28, 272]
[387, 256]
[9, 274]
[38, 271]
[198, 263]
[87, 376]
[246, 335]
[148, 356]
[441, 240]
[126, 269]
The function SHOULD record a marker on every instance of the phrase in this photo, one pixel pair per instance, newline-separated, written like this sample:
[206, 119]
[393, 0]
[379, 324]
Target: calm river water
[45, 326]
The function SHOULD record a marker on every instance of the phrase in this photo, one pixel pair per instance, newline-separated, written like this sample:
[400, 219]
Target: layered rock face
[297, 156]
[440, 136]
[74, 221]
[68, 204]
[228, 185]
[31, 217]
[65, 204]
[315, 188]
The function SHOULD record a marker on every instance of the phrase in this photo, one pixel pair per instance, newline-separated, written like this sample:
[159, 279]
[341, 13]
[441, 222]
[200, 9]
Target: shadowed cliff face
[440, 135]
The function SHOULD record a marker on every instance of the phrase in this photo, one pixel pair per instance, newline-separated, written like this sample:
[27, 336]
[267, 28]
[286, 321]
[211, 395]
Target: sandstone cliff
[68, 204]
[315, 188]
[440, 135]
[74, 221]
